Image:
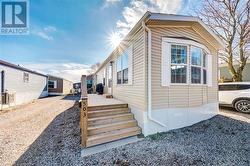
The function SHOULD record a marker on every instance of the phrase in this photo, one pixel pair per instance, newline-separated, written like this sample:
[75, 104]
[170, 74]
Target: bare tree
[229, 19]
[94, 67]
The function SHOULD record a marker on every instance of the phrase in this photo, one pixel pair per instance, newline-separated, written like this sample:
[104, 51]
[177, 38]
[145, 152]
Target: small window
[119, 77]
[178, 74]
[125, 76]
[25, 77]
[178, 64]
[178, 54]
[52, 84]
[196, 54]
[122, 68]
[196, 75]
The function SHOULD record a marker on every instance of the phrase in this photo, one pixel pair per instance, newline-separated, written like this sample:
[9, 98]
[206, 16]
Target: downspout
[149, 77]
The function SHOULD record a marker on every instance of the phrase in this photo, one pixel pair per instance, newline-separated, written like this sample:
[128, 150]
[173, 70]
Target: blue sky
[68, 36]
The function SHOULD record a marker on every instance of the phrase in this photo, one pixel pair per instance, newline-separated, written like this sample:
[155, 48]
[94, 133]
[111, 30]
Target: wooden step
[111, 127]
[108, 112]
[112, 136]
[109, 119]
[105, 107]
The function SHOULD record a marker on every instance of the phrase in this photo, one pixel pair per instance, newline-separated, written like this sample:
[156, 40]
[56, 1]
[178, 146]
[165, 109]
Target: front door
[110, 78]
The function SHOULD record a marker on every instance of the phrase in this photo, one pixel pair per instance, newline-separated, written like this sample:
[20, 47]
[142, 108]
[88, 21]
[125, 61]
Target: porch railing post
[84, 111]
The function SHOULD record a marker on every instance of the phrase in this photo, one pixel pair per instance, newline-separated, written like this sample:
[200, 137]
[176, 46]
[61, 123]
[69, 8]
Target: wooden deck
[100, 100]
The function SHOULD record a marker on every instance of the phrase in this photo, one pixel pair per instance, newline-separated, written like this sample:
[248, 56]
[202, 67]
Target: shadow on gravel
[59, 143]
[72, 97]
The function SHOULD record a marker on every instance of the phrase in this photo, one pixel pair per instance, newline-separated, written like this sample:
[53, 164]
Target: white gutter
[149, 78]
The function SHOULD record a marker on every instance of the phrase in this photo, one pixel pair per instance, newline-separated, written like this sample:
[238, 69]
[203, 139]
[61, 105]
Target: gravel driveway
[23, 129]
[218, 141]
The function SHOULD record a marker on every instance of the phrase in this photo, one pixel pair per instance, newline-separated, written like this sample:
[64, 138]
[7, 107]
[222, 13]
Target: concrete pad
[103, 147]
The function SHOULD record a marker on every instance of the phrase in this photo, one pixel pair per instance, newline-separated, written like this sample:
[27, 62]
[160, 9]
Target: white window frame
[201, 67]
[188, 43]
[129, 51]
[55, 83]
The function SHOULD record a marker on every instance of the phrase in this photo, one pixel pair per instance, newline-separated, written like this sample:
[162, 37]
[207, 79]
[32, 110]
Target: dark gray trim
[4, 63]
[2, 81]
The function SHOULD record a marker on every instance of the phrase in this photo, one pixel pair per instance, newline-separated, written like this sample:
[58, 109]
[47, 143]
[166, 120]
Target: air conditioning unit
[7, 98]
[4, 98]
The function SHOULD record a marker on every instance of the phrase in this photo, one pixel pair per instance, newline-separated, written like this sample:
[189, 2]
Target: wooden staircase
[109, 123]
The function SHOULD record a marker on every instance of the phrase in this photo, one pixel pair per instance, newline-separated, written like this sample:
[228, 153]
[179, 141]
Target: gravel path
[218, 141]
[21, 128]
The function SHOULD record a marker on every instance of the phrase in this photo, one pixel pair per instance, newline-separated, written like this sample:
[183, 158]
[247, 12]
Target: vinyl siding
[179, 95]
[134, 94]
[67, 87]
[24, 92]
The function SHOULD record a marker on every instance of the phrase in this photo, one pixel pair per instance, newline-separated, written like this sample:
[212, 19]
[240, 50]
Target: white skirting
[174, 118]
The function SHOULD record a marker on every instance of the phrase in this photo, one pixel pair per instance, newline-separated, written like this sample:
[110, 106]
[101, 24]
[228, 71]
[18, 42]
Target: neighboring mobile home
[166, 70]
[20, 85]
[224, 74]
[59, 86]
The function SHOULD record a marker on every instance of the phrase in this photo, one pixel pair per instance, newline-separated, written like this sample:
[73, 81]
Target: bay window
[188, 61]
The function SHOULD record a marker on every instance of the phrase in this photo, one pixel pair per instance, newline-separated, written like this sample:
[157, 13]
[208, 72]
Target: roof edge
[11, 65]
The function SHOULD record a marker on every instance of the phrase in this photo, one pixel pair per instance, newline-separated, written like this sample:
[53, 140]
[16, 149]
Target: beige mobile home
[59, 86]
[166, 70]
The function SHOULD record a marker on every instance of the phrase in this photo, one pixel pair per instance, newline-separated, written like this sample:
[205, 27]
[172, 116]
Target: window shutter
[210, 70]
[130, 65]
[165, 68]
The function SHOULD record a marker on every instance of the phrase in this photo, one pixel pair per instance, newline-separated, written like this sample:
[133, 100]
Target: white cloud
[70, 71]
[112, 1]
[45, 33]
[135, 10]
[107, 3]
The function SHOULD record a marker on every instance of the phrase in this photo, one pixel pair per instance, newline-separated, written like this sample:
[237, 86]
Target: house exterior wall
[224, 73]
[173, 106]
[63, 87]
[34, 88]
[179, 96]
[135, 93]
[59, 86]
[67, 87]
